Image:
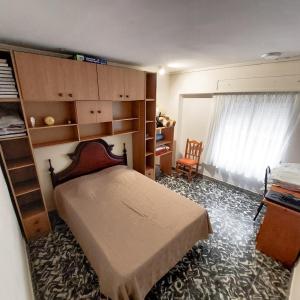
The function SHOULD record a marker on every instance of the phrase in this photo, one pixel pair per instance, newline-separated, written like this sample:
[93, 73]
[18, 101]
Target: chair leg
[190, 174]
[258, 210]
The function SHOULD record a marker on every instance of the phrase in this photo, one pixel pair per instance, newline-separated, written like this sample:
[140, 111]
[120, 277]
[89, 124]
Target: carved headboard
[88, 157]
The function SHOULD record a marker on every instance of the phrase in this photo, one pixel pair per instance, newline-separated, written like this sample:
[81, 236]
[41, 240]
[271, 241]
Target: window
[250, 132]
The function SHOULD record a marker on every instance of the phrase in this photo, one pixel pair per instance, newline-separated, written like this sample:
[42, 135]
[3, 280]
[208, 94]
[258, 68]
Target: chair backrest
[193, 150]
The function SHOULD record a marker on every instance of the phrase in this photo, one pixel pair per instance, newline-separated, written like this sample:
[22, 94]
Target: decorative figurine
[32, 121]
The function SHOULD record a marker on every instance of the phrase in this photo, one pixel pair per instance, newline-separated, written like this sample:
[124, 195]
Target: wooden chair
[190, 162]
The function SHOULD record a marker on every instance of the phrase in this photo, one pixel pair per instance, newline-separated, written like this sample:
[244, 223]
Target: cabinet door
[110, 82]
[134, 81]
[80, 80]
[40, 77]
[86, 112]
[104, 111]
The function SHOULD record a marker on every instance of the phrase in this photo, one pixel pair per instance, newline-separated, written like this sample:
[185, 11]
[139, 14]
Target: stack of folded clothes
[11, 124]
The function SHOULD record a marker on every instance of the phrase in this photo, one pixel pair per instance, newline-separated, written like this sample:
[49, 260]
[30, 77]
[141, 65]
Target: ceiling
[198, 33]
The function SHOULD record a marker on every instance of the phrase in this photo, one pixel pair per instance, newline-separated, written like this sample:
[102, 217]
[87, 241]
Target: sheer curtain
[250, 132]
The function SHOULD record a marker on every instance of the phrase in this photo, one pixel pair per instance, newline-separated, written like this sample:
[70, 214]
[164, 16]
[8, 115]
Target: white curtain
[250, 132]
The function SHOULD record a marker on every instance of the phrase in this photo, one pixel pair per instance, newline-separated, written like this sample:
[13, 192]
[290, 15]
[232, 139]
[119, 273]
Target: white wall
[60, 160]
[15, 281]
[295, 283]
[265, 77]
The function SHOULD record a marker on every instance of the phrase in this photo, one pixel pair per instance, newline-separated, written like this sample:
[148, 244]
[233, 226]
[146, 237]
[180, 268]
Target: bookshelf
[18, 164]
[144, 141]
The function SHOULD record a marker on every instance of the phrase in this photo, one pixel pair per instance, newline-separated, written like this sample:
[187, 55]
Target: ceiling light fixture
[272, 55]
[162, 71]
[176, 65]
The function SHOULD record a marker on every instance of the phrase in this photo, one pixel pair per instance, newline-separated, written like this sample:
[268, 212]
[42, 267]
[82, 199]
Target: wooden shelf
[52, 143]
[125, 119]
[26, 187]
[148, 153]
[150, 100]
[124, 132]
[149, 121]
[93, 137]
[13, 138]
[163, 142]
[52, 126]
[32, 209]
[18, 163]
[163, 153]
[9, 100]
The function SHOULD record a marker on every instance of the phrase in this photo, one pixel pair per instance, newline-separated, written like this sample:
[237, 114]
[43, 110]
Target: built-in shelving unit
[144, 141]
[18, 164]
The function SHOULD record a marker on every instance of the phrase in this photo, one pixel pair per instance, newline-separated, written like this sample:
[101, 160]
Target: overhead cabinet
[116, 83]
[46, 78]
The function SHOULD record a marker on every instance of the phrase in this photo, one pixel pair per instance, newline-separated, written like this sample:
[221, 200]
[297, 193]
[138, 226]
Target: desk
[279, 233]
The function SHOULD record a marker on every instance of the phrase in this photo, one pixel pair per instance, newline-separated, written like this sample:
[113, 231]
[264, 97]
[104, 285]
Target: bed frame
[88, 157]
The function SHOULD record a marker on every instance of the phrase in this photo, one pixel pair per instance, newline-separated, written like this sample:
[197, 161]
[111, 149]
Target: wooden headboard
[88, 157]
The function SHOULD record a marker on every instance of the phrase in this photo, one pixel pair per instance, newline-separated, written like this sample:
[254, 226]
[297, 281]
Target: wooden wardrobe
[87, 101]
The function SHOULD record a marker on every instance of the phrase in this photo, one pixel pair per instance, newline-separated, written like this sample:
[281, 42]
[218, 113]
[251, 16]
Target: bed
[132, 229]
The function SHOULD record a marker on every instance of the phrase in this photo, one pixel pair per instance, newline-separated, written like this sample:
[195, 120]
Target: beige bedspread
[132, 229]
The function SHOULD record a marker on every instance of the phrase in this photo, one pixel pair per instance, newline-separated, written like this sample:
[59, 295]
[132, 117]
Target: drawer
[36, 225]
[150, 173]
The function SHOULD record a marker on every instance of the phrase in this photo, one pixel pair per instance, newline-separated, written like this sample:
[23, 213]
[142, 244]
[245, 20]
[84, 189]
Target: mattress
[132, 229]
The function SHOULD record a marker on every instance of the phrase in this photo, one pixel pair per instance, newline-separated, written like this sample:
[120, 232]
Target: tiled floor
[226, 266]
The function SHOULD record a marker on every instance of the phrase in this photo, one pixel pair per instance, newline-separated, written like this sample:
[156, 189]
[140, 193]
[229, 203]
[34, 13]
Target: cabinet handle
[127, 96]
[121, 96]
[60, 94]
[70, 95]
[99, 111]
[91, 111]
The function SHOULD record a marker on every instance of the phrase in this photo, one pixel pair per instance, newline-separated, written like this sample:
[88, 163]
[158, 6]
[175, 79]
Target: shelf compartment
[150, 129]
[19, 163]
[31, 204]
[24, 180]
[126, 110]
[53, 135]
[150, 146]
[150, 162]
[150, 85]
[163, 142]
[15, 150]
[127, 126]
[26, 187]
[94, 131]
[61, 111]
[150, 111]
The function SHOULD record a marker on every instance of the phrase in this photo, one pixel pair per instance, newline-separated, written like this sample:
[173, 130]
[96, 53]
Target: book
[3, 61]
[4, 67]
